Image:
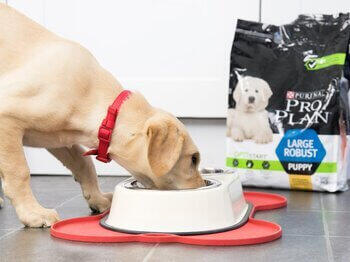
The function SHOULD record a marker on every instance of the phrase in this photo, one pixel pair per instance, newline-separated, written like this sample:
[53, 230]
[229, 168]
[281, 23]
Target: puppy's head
[251, 94]
[162, 155]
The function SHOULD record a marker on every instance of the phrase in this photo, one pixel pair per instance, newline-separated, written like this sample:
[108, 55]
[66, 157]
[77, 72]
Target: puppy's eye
[256, 91]
[246, 90]
[194, 159]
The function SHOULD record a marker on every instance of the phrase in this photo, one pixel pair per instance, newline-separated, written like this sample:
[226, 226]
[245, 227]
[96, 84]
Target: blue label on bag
[300, 151]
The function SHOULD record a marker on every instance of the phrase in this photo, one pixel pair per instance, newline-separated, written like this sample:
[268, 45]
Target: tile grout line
[326, 232]
[9, 233]
[150, 253]
[302, 235]
[66, 201]
[317, 211]
[10, 229]
[348, 237]
[337, 211]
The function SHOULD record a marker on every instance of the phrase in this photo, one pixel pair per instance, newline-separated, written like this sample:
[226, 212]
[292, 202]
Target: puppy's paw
[39, 217]
[263, 137]
[1, 202]
[237, 136]
[100, 202]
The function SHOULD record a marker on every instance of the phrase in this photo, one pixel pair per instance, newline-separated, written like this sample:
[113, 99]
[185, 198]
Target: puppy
[54, 94]
[249, 119]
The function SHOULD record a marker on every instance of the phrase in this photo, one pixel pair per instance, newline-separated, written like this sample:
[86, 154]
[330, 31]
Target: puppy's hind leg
[84, 172]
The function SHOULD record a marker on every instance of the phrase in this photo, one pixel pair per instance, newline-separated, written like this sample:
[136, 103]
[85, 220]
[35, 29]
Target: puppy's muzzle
[251, 99]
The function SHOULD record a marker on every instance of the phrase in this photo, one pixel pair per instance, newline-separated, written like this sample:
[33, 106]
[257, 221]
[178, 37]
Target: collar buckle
[104, 134]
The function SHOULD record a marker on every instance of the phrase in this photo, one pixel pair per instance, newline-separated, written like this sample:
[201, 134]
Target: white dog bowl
[218, 206]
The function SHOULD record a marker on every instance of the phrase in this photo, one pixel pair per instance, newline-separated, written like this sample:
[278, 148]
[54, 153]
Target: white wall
[280, 12]
[170, 50]
[210, 137]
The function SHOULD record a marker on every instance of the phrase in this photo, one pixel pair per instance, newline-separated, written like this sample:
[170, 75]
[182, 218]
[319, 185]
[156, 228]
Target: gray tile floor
[316, 227]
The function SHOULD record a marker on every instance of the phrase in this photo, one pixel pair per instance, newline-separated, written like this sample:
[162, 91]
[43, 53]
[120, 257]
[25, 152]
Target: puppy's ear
[237, 92]
[267, 93]
[164, 145]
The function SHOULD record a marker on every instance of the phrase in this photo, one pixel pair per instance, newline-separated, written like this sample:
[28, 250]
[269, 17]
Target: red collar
[106, 128]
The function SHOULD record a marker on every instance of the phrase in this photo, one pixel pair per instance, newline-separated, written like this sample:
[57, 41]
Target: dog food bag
[288, 117]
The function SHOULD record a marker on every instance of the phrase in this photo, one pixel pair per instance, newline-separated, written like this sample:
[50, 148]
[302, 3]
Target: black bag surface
[290, 123]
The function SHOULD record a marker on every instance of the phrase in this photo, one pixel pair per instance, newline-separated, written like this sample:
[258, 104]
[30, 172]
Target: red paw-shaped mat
[88, 229]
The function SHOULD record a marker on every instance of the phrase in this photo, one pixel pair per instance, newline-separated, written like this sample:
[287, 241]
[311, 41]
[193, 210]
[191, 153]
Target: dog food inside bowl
[209, 183]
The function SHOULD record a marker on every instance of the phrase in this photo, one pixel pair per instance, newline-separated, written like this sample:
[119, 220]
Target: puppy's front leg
[84, 172]
[237, 134]
[16, 182]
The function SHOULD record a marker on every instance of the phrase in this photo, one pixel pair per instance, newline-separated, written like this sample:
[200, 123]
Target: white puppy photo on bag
[249, 119]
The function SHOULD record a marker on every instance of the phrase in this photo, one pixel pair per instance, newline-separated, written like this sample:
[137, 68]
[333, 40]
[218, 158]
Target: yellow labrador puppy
[54, 94]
